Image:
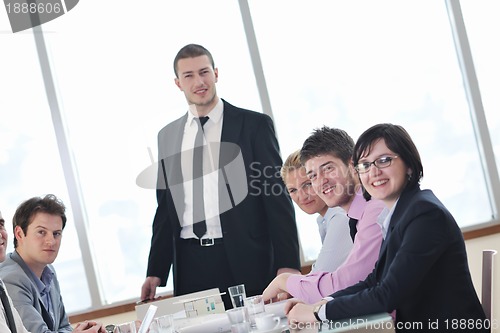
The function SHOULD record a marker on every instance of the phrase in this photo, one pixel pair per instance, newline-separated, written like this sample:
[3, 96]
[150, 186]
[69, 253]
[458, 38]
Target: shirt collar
[320, 219]
[47, 276]
[357, 206]
[387, 218]
[331, 212]
[44, 284]
[214, 115]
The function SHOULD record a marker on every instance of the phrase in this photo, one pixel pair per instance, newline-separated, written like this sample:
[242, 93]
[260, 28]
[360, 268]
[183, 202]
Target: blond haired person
[332, 222]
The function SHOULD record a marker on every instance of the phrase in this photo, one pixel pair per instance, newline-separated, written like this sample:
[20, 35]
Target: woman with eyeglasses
[422, 272]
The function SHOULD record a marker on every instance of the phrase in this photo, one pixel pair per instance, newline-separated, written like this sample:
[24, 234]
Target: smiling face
[332, 180]
[196, 78]
[40, 245]
[387, 183]
[300, 189]
[3, 238]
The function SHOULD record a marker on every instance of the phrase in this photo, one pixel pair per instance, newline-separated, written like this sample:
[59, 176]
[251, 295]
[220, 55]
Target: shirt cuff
[322, 309]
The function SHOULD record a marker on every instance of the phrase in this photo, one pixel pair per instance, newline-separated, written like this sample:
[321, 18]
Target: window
[116, 84]
[482, 23]
[30, 164]
[346, 64]
[354, 64]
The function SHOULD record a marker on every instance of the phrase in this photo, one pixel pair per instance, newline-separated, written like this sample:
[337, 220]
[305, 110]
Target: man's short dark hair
[326, 140]
[192, 51]
[49, 204]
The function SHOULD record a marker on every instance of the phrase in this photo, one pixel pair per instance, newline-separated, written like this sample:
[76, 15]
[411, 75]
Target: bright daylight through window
[337, 63]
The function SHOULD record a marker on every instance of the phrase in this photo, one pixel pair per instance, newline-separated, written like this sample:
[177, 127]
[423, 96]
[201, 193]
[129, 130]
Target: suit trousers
[208, 262]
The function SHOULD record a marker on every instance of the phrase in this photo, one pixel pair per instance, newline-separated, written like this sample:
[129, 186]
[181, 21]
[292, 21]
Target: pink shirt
[359, 263]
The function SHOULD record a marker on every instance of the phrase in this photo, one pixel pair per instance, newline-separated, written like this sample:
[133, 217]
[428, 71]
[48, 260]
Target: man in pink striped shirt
[326, 155]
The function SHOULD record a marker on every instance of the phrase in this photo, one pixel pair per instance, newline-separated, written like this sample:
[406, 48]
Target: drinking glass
[163, 324]
[255, 306]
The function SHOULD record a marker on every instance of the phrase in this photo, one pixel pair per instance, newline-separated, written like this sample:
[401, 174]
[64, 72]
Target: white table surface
[217, 323]
[376, 323]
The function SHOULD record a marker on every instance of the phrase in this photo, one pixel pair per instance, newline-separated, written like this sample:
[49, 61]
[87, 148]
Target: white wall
[474, 252]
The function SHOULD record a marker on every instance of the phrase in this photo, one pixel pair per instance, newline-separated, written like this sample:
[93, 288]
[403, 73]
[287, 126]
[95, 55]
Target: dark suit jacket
[422, 271]
[260, 234]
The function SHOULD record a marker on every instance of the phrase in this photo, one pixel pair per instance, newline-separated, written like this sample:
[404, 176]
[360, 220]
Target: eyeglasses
[381, 162]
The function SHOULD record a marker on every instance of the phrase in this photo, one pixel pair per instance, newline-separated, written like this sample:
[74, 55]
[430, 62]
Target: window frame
[70, 168]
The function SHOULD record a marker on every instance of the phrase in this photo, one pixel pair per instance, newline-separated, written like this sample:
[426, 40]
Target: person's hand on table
[148, 290]
[276, 290]
[89, 326]
[299, 312]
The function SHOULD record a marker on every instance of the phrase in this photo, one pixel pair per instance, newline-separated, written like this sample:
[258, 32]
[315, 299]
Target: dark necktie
[8, 311]
[352, 227]
[199, 223]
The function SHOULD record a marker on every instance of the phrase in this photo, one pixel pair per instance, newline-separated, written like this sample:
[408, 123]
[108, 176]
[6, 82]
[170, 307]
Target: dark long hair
[399, 141]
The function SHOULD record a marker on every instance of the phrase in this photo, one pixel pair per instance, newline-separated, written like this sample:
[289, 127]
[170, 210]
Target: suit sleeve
[423, 240]
[278, 205]
[24, 300]
[162, 245]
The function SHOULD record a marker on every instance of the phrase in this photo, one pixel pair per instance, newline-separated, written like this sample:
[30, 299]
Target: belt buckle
[207, 241]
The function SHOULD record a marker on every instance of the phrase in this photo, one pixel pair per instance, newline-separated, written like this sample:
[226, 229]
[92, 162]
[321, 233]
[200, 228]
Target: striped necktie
[8, 311]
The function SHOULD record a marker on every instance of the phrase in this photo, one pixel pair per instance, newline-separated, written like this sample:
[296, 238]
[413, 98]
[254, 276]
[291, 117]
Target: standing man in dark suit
[232, 222]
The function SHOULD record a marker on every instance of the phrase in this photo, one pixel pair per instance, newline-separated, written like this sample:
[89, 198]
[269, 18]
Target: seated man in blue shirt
[27, 272]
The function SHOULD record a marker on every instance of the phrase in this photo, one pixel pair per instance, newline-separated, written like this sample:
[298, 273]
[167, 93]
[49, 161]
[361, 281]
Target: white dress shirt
[212, 136]
[385, 218]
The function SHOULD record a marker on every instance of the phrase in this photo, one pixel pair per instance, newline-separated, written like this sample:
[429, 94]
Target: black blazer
[422, 272]
[260, 234]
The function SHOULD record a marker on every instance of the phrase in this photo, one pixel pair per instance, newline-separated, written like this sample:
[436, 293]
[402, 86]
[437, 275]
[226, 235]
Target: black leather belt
[203, 241]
